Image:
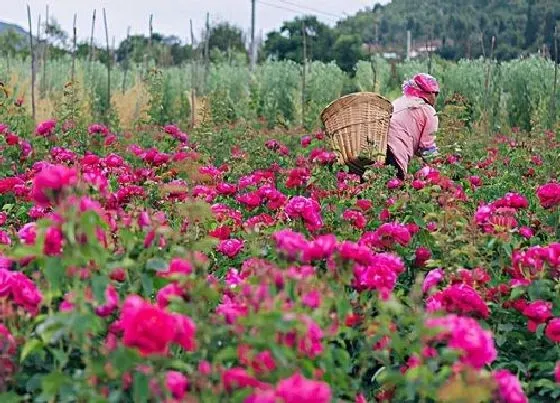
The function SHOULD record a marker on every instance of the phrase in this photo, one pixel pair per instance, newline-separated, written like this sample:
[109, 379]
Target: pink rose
[45, 128]
[146, 327]
[432, 279]
[537, 312]
[509, 388]
[552, 331]
[51, 182]
[230, 247]
[549, 194]
[185, 330]
[297, 389]
[53, 241]
[176, 383]
[25, 293]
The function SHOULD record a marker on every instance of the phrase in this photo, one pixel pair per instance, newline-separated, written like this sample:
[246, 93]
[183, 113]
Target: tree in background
[10, 44]
[287, 42]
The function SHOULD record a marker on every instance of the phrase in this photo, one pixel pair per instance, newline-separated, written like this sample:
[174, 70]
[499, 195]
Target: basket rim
[356, 96]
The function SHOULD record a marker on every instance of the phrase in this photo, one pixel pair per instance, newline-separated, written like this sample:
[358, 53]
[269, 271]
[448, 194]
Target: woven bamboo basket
[357, 126]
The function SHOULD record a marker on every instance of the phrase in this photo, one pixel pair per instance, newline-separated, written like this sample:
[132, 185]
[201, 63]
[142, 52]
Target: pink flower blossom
[146, 327]
[549, 194]
[45, 128]
[230, 247]
[460, 299]
[466, 336]
[394, 184]
[356, 218]
[111, 302]
[312, 299]
[526, 232]
[306, 209]
[509, 388]
[176, 383]
[552, 330]
[433, 278]
[51, 182]
[97, 128]
[166, 294]
[305, 141]
[421, 256]
[297, 389]
[537, 312]
[53, 241]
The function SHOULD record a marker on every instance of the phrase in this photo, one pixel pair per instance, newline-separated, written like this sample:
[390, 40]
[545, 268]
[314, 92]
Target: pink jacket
[411, 130]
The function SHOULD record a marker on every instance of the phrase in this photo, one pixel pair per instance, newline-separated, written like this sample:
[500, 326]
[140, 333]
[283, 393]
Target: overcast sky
[172, 16]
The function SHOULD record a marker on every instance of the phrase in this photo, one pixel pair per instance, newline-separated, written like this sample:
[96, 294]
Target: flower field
[244, 265]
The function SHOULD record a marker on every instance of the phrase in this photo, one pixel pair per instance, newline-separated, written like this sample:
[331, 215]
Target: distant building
[421, 48]
[386, 52]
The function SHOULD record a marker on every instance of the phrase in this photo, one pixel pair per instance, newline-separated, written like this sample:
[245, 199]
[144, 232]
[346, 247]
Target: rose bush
[161, 266]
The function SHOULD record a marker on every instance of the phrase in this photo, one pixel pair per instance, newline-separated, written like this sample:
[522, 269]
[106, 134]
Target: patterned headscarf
[420, 85]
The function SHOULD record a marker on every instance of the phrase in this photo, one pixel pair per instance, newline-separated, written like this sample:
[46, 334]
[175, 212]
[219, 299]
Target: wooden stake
[207, 51]
[91, 48]
[193, 87]
[74, 43]
[373, 62]
[45, 53]
[487, 85]
[303, 75]
[39, 56]
[108, 60]
[126, 59]
[553, 114]
[150, 41]
[252, 61]
[32, 62]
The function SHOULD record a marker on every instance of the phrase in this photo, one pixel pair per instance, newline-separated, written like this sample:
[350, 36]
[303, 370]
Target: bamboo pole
[74, 43]
[150, 39]
[487, 86]
[38, 56]
[91, 48]
[45, 53]
[373, 63]
[126, 59]
[108, 59]
[193, 88]
[32, 62]
[206, 52]
[303, 100]
[553, 114]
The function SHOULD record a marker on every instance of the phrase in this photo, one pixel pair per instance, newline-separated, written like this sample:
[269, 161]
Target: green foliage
[324, 84]
[278, 84]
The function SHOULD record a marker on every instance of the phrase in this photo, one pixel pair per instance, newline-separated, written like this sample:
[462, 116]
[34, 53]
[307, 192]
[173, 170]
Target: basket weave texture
[357, 126]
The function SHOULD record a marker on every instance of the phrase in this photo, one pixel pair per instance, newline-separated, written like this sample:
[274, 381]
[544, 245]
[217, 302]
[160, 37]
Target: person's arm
[427, 146]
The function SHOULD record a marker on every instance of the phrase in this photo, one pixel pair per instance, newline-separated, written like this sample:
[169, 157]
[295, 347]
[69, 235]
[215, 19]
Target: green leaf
[540, 289]
[54, 273]
[99, 284]
[140, 388]
[53, 328]
[52, 383]
[30, 347]
[147, 285]
[10, 397]
[156, 264]
[226, 355]
[517, 292]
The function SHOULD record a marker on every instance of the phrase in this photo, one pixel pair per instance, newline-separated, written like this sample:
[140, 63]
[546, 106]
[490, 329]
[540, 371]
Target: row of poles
[252, 59]
[91, 55]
